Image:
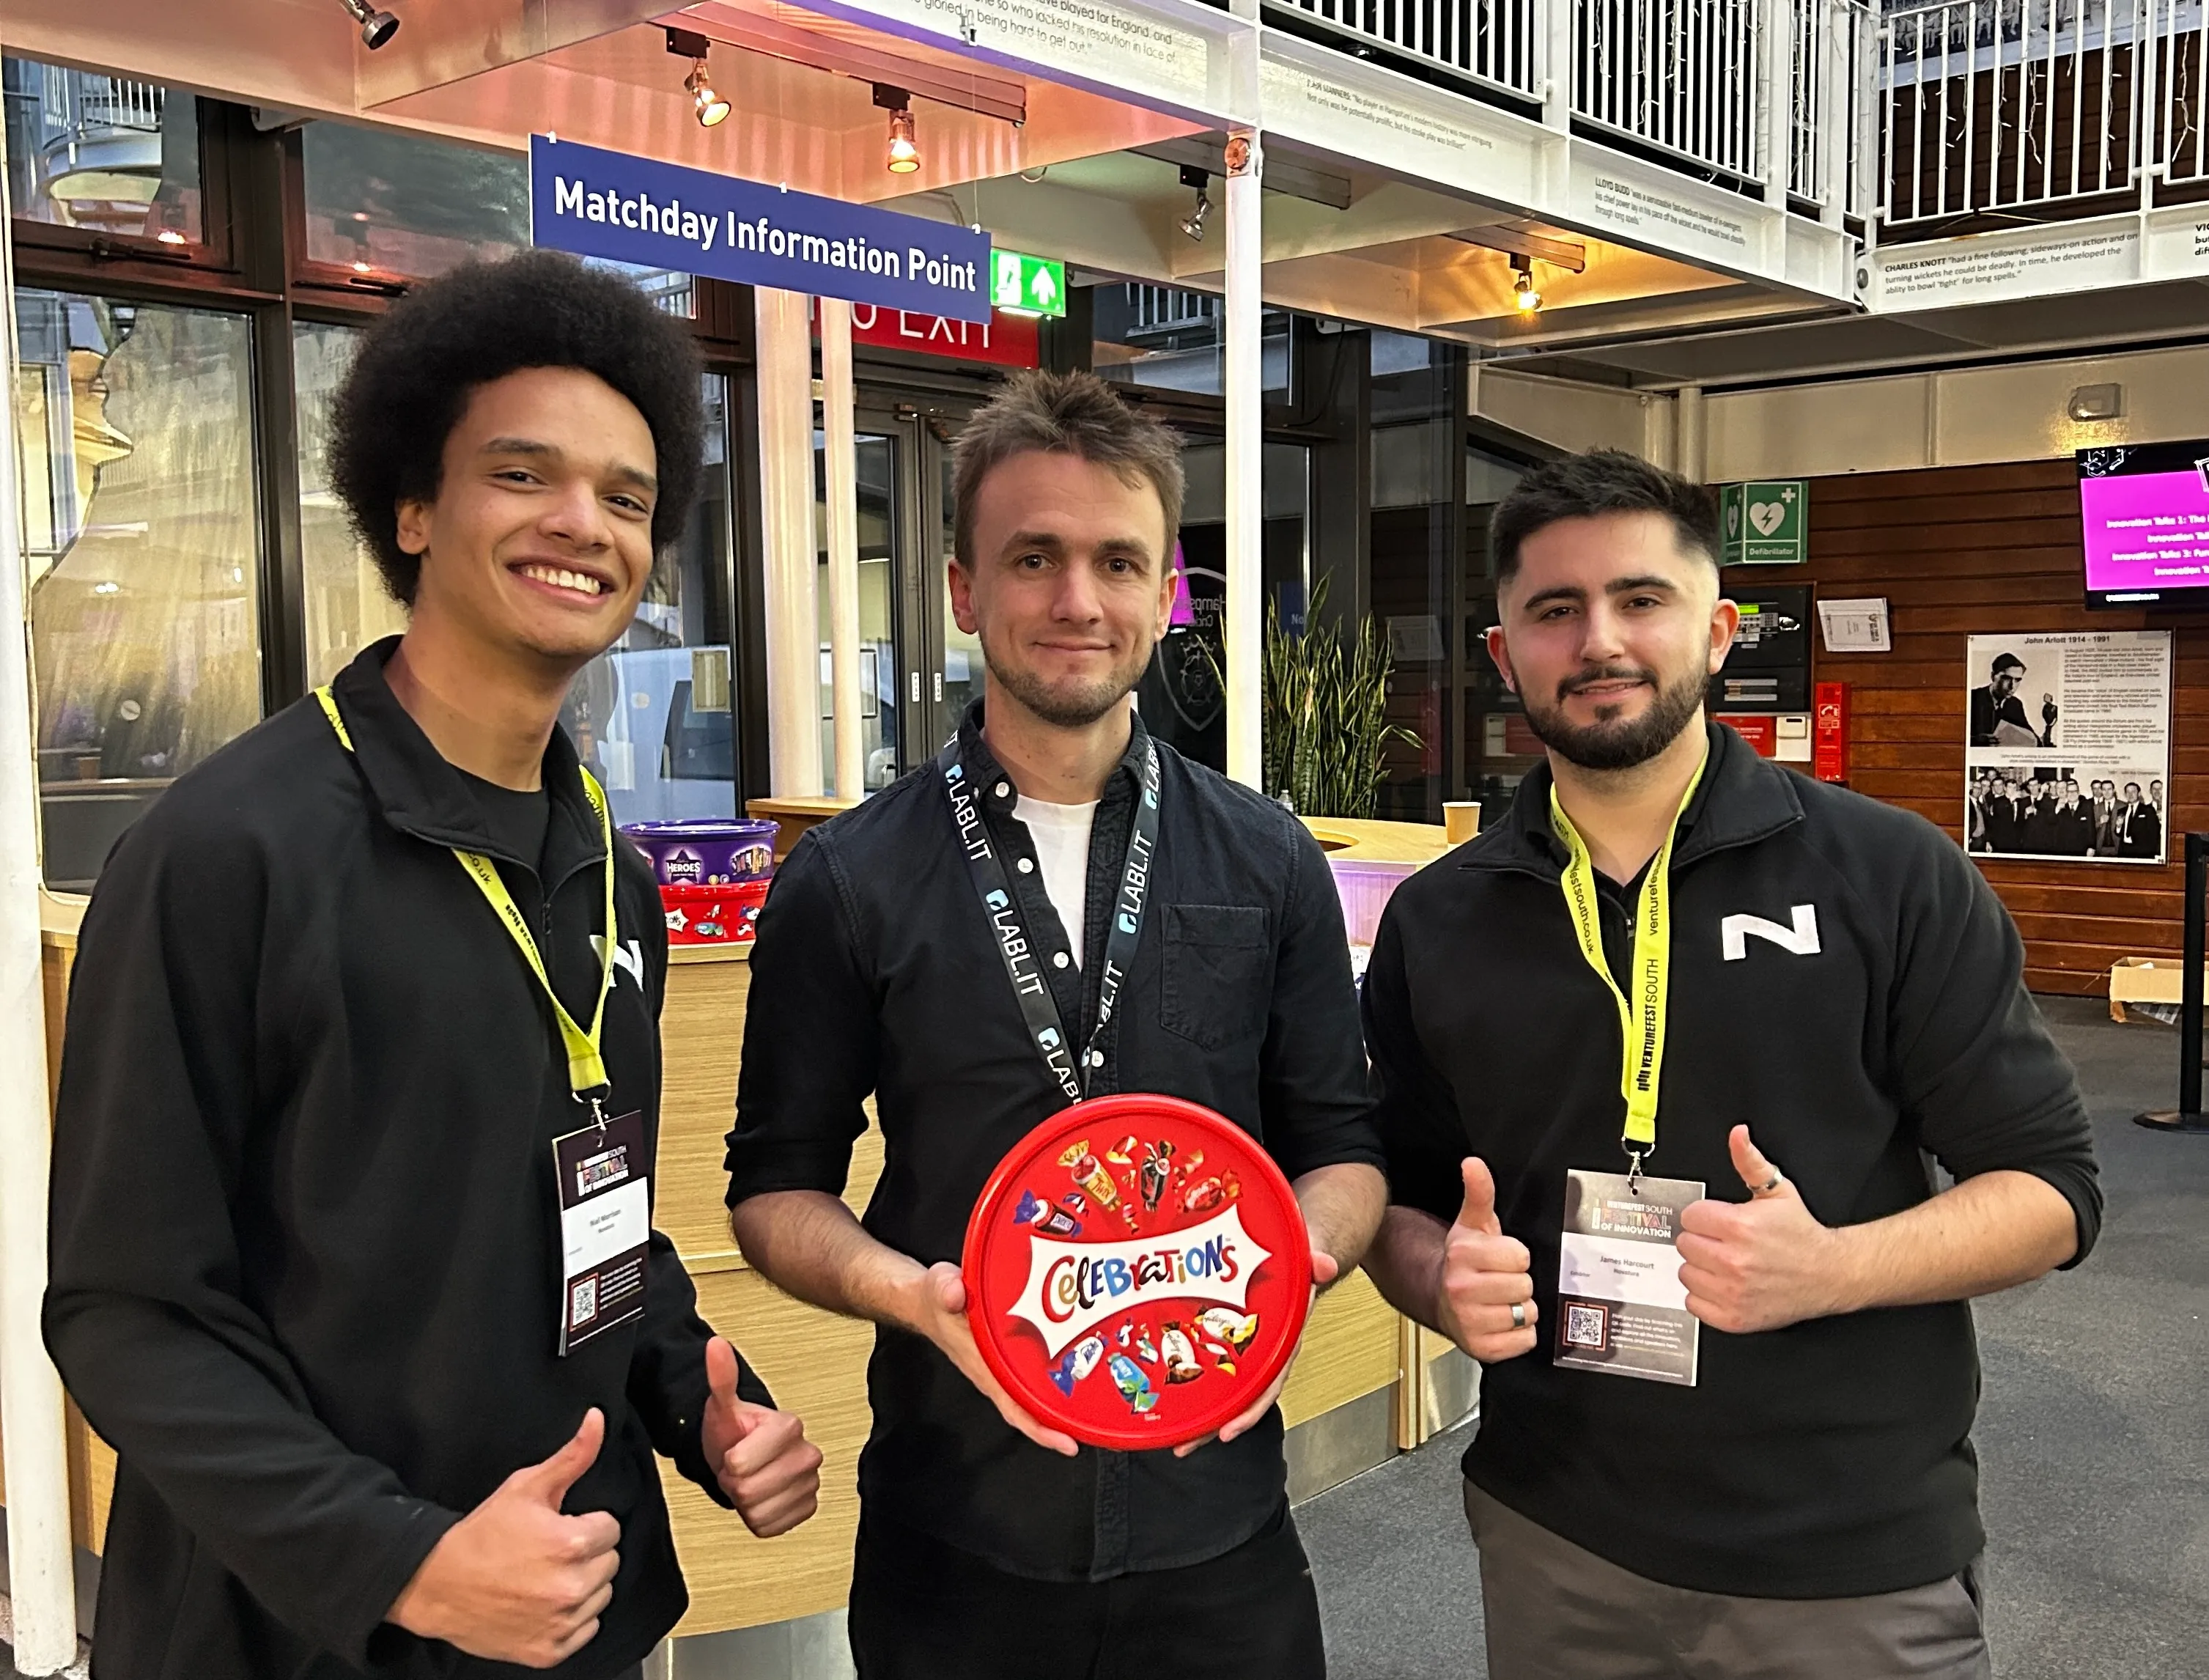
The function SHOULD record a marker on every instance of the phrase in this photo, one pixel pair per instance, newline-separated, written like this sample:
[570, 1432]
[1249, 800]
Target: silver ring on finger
[1518, 1315]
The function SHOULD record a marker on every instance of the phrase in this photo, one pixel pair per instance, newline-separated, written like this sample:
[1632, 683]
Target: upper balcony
[1689, 84]
[101, 152]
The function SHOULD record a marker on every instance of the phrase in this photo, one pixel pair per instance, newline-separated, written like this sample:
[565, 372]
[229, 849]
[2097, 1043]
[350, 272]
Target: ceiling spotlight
[375, 27]
[712, 108]
[903, 155]
[1529, 299]
[707, 105]
[1193, 223]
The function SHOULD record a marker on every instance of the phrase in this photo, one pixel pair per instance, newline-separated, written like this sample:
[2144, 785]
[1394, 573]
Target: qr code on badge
[1586, 1325]
[583, 1302]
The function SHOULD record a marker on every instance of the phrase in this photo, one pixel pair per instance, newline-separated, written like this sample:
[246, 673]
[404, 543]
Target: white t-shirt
[1061, 834]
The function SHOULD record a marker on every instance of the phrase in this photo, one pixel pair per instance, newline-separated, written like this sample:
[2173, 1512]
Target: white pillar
[793, 609]
[843, 486]
[1246, 506]
[41, 1565]
[1660, 443]
[1553, 42]
[1689, 438]
[1779, 78]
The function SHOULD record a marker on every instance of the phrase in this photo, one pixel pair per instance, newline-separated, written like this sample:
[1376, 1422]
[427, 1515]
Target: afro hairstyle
[419, 366]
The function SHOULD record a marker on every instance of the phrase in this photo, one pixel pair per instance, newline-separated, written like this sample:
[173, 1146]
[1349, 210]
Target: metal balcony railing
[1694, 83]
[2039, 105]
[1682, 77]
[1158, 309]
[1488, 41]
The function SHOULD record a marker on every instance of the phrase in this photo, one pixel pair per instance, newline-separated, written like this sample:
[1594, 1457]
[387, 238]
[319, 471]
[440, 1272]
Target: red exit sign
[1009, 341]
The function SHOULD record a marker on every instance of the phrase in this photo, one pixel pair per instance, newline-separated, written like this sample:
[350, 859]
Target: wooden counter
[815, 1361]
[1358, 838]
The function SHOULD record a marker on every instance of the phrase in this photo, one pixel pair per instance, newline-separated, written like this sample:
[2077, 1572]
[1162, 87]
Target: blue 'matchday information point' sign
[609, 204]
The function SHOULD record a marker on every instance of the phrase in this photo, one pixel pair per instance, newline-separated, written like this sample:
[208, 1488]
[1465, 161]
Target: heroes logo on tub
[1137, 1271]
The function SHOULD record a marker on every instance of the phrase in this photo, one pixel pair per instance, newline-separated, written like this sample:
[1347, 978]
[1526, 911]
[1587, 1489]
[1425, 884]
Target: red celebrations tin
[1137, 1271]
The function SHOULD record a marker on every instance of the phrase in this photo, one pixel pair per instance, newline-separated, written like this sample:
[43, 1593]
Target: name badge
[1621, 1308]
[605, 1227]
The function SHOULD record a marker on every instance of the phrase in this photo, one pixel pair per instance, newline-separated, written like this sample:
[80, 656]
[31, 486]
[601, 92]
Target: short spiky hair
[1064, 413]
[1601, 481]
[419, 365]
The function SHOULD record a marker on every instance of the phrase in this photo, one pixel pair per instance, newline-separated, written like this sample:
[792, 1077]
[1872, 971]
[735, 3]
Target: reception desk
[1364, 1385]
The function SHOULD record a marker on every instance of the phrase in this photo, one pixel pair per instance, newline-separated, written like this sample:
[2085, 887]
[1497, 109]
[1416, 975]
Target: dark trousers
[924, 1610]
[1555, 1611]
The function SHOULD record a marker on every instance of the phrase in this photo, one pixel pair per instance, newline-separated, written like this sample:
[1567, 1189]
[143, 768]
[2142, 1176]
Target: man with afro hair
[352, 1251]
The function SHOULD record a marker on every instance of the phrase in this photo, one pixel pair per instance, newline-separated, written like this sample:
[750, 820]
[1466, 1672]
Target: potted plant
[1326, 713]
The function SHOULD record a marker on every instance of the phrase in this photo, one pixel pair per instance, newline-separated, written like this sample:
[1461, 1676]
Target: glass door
[917, 669]
[957, 653]
[884, 449]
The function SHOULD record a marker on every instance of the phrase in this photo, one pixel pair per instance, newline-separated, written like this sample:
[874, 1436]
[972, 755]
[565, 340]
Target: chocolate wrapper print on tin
[1139, 1272]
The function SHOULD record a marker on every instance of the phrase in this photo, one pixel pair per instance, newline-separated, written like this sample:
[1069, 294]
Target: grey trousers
[1556, 1611]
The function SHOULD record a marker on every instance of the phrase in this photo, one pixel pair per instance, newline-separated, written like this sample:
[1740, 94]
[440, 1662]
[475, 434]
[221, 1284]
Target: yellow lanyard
[587, 1067]
[1641, 1019]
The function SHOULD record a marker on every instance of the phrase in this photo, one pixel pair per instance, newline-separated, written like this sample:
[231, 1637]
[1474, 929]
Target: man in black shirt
[988, 1544]
[386, 1383]
[1660, 1059]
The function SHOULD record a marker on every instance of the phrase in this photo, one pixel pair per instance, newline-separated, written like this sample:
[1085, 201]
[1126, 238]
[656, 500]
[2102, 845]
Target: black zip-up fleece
[306, 1253]
[1832, 1458]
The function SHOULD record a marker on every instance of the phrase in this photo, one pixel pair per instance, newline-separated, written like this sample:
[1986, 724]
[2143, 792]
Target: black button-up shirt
[876, 971]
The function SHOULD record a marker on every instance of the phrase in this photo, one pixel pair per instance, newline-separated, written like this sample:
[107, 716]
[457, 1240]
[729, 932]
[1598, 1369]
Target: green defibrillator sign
[1765, 524]
[1031, 285]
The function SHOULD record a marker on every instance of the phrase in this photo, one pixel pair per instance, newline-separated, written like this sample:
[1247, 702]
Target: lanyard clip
[1633, 1171]
[598, 1108]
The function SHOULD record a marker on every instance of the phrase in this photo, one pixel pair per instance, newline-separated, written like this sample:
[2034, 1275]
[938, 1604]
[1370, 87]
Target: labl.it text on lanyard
[1030, 989]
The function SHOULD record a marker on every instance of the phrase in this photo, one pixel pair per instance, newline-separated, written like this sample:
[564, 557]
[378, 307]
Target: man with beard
[990, 1545]
[1659, 1059]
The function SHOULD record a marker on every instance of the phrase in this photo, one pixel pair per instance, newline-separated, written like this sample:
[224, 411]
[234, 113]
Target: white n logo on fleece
[629, 954]
[1801, 939]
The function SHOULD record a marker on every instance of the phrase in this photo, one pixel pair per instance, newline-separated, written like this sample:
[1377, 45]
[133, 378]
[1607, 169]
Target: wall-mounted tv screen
[2145, 508]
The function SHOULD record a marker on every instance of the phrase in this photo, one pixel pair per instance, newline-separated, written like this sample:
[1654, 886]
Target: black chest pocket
[1217, 958]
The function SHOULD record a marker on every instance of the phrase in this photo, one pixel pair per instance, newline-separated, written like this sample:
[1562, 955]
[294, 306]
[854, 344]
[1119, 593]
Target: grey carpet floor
[2093, 1440]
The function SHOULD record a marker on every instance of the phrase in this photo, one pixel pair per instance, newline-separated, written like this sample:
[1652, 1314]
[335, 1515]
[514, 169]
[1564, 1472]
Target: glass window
[386, 203]
[880, 709]
[102, 153]
[141, 543]
[655, 716]
[1161, 336]
[346, 606]
[379, 201]
[1180, 696]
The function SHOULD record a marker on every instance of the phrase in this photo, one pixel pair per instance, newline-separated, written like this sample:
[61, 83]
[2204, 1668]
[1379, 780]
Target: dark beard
[1061, 709]
[1615, 744]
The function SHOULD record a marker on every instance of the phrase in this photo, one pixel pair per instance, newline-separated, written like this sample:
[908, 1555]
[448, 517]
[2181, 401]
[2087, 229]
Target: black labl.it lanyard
[1030, 989]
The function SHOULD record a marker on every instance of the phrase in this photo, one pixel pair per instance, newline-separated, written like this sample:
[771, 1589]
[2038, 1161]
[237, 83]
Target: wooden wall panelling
[1981, 550]
[815, 1364]
[702, 1035]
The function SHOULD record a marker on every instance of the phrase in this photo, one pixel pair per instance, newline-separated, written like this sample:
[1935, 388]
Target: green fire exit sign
[1765, 523]
[1032, 284]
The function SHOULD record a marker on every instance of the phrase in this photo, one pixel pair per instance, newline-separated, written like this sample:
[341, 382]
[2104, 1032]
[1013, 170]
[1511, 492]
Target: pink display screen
[2143, 513]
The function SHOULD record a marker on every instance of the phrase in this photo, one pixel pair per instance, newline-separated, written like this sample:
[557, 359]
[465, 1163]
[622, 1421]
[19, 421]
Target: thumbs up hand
[1486, 1275]
[761, 1456]
[1761, 1264]
[514, 1581]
